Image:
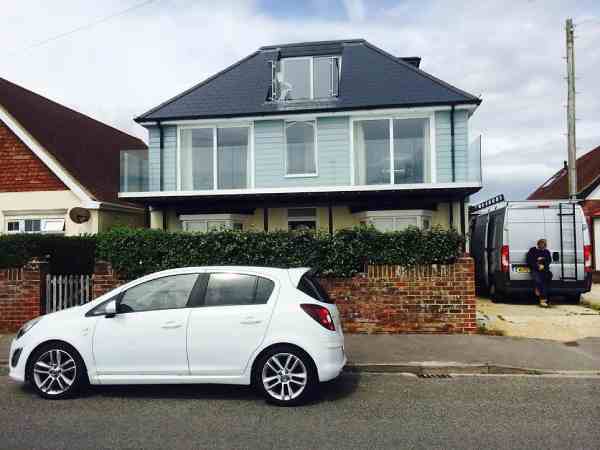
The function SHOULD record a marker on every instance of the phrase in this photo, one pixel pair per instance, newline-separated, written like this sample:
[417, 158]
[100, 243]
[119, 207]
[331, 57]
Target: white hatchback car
[273, 328]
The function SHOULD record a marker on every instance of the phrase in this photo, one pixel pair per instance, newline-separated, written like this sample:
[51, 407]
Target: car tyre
[56, 371]
[286, 376]
[574, 299]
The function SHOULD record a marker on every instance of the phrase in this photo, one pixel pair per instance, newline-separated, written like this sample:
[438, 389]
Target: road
[357, 411]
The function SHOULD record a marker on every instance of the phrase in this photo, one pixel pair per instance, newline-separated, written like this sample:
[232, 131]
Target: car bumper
[331, 361]
[17, 360]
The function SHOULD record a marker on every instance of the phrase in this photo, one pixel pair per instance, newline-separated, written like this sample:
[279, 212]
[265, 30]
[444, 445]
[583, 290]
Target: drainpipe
[452, 144]
[162, 154]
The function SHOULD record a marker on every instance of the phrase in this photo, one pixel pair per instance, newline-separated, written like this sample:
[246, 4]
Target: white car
[273, 328]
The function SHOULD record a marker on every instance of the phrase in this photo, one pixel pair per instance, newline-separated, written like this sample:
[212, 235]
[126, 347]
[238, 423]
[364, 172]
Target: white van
[503, 232]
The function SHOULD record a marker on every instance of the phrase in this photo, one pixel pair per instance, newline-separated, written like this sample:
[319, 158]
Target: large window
[35, 225]
[300, 148]
[396, 220]
[302, 218]
[391, 151]
[225, 289]
[308, 77]
[209, 222]
[162, 293]
[214, 158]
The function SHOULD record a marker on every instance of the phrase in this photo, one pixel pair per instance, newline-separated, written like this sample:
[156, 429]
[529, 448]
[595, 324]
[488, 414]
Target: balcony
[134, 171]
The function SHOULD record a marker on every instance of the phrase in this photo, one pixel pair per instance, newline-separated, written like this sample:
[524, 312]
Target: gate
[64, 291]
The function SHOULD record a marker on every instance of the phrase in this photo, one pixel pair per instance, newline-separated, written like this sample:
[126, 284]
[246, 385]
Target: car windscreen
[310, 285]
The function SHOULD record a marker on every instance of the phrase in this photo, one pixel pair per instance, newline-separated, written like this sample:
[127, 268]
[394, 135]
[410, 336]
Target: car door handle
[250, 321]
[171, 325]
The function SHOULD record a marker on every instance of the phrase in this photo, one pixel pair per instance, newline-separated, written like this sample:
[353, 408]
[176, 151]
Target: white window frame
[286, 123]
[227, 219]
[303, 218]
[395, 214]
[430, 174]
[312, 74]
[43, 220]
[250, 164]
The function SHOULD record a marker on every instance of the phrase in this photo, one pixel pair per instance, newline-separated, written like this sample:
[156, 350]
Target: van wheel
[574, 299]
[494, 294]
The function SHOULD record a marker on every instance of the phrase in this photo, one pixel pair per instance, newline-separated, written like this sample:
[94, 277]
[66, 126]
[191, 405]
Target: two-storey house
[320, 135]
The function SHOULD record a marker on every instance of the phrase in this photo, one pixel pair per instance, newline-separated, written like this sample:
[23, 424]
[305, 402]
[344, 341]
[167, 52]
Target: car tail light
[320, 314]
[504, 253]
[587, 257]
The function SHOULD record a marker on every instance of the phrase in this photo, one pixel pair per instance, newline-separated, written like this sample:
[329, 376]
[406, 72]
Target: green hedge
[65, 254]
[135, 252]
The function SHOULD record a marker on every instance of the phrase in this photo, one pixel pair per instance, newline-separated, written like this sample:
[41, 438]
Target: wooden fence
[64, 291]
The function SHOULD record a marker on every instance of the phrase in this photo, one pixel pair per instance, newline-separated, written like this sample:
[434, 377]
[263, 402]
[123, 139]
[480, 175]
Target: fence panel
[65, 291]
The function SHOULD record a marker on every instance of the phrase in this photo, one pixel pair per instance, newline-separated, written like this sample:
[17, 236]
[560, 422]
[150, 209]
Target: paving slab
[457, 350]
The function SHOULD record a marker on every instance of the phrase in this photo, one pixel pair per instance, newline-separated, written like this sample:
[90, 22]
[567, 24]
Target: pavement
[592, 298]
[427, 354]
[524, 318]
[374, 411]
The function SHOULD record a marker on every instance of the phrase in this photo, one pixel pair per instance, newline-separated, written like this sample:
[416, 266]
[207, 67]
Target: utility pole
[572, 149]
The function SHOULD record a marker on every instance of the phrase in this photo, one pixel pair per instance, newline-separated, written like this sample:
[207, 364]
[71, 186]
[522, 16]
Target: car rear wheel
[56, 371]
[286, 376]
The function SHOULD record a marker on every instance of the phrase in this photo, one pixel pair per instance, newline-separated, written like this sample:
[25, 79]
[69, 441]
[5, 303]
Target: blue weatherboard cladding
[444, 146]
[333, 154]
[169, 158]
[370, 78]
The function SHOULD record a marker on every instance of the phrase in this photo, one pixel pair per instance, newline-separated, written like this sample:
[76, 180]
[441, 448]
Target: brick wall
[20, 291]
[104, 279]
[394, 299]
[22, 171]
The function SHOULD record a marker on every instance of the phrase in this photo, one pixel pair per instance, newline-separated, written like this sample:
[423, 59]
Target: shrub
[135, 252]
[65, 254]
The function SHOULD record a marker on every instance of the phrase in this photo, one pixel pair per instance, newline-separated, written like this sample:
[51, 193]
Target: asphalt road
[357, 411]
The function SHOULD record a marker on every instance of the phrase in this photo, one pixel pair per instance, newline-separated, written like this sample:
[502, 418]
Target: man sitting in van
[538, 260]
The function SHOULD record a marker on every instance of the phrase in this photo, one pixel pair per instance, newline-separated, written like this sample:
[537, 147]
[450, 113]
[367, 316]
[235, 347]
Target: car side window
[226, 289]
[170, 292]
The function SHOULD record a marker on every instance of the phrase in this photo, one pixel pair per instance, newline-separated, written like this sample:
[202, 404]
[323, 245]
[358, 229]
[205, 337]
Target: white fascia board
[50, 162]
[299, 189]
[312, 116]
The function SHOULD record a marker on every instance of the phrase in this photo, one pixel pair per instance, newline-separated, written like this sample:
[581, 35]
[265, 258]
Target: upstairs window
[301, 157]
[307, 78]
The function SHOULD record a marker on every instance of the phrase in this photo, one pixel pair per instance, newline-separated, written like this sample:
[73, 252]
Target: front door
[147, 336]
[230, 324]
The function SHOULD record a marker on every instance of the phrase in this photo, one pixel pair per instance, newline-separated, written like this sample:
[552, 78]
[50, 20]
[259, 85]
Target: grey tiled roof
[370, 78]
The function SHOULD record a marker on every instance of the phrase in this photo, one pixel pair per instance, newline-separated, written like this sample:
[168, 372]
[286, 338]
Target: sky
[511, 53]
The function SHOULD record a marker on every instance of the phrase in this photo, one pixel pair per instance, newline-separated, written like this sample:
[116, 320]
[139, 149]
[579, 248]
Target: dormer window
[306, 78]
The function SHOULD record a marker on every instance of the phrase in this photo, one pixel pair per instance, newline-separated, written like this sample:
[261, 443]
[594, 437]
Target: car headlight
[27, 326]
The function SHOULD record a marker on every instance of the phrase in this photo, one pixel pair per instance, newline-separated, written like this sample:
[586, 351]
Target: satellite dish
[79, 215]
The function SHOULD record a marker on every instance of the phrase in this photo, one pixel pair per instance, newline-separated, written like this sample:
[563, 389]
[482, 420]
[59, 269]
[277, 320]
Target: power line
[587, 21]
[85, 26]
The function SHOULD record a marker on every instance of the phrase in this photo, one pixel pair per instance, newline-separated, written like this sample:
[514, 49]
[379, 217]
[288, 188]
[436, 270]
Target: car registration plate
[522, 269]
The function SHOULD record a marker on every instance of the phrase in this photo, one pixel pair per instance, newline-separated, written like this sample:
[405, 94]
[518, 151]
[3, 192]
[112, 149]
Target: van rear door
[525, 225]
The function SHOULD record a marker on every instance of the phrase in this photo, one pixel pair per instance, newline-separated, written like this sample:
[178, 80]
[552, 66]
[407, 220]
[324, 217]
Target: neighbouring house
[54, 159]
[317, 135]
[588, 193]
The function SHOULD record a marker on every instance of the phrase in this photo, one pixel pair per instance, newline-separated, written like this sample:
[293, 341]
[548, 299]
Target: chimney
[412, 60]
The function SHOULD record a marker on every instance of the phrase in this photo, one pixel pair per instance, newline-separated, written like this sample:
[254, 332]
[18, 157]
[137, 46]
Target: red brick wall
[20, 291]
[104, 279]
[393, 299]
[22, 171]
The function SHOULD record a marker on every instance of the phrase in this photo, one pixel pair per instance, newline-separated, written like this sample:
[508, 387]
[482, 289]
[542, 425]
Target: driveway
[523, 318]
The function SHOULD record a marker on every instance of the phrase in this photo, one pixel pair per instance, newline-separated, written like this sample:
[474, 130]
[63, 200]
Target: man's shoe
[544, 303]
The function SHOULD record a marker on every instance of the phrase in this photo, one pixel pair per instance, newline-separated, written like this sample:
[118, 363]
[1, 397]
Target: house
[322, 135]
[53, 160]
[588, 193]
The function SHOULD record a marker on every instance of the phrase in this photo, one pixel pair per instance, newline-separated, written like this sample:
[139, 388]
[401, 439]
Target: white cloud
[509, 52]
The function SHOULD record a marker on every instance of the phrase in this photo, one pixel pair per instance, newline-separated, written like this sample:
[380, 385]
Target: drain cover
[435, 375]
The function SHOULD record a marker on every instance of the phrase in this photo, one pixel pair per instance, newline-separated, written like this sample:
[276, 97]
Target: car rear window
[311, 287]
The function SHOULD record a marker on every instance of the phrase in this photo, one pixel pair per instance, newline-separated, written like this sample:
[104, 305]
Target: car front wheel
[56, 371]
[286, 376]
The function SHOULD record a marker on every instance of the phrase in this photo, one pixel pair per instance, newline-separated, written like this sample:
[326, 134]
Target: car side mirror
[555, 257]
[110, 310]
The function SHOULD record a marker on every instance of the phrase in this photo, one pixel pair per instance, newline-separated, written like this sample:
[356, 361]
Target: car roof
[294, 273]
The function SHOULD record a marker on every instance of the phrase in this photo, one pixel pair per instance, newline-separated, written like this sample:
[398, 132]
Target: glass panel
[302, 225]
[302, 212]
[162, 293]
[300, 140]
[195, 226]
[402, 223]
[372, 149]
[474, 166]
[134, 171]
[232, 148]
[310, 285]
[322, 77]
[336, 77]
[383, 224]
[196, 159]
[410, 150]
[13, 226]
[264, 288]
[230, 289]
[32, 225]
[296, 79]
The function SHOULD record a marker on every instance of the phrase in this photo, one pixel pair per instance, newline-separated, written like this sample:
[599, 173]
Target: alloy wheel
[284, 376]
[54, 372]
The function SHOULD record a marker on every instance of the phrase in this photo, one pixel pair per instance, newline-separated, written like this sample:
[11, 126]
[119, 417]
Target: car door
[229, 323]
[147, 336]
